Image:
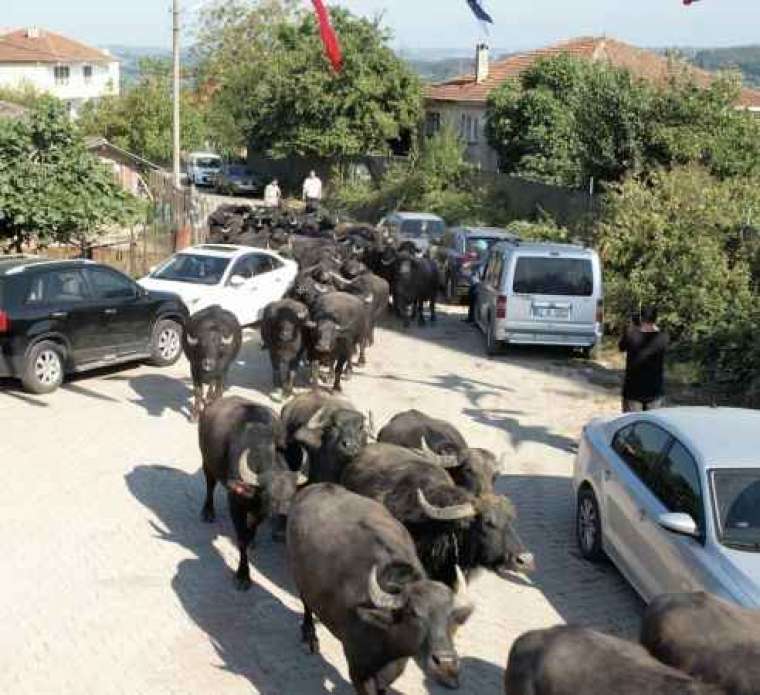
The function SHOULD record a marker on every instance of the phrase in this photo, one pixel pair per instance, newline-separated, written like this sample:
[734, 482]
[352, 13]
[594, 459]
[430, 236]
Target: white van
[541, 294]
[203, 168]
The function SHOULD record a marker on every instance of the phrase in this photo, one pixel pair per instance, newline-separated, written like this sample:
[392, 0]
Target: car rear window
[479, 245]
[196, 269]
[414, 229]
[554, 276]
[208, 163]
[57, 286]
[238, 170]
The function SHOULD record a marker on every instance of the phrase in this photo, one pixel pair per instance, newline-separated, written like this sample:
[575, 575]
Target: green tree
[51, 188]
[278, 95]
[140, 119]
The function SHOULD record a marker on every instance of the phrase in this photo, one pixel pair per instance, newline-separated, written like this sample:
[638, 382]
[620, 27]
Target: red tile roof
[23, 46]
[642, 63]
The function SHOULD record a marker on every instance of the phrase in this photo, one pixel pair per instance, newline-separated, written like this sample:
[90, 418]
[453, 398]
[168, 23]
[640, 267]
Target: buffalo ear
[461, 614]
[381, 618]
[311, 438]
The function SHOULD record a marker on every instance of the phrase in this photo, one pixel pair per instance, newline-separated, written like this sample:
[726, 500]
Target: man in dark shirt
[645, 347]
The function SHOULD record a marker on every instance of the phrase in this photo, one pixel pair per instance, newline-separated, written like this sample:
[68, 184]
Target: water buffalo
[328, 429]
[339, 325]
[450, 526]
[211, 342]
[241, 445]
[568, 660]
[358, 280]
[706, 637]
[355, 568]
[415, 282]
[475, 470]
[282, 334]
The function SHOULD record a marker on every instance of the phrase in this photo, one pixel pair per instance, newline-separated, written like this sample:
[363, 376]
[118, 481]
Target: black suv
[71, 316]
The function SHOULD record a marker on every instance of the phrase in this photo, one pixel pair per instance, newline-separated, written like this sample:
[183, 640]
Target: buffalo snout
[208, 364]
[444, 667]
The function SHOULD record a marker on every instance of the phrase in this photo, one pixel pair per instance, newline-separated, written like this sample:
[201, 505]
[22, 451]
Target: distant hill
[130, 56]
[745, 58]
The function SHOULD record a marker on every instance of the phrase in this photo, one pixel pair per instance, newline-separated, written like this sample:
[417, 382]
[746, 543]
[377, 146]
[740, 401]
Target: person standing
[312, 191]
[645, 346]
[273, 194]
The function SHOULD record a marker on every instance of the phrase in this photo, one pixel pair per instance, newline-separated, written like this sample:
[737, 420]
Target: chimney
[33, 33]
[481, 63]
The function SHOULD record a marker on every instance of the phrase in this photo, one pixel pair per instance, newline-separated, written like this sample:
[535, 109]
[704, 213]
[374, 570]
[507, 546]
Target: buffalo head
[477, 471]
[214, 346]
[341, 431]
[499, 546]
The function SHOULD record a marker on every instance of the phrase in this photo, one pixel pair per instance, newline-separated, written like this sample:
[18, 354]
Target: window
[675, 482]
[642, 447]
[463, 127]
[432, 123]
[87, 73]
[59, 286]
[493, 272]
[567, 277]
[476, 130]
[414, 229]
[251, 266]
[199, 270]
[736, 496]
[107, 284]
[61, 73]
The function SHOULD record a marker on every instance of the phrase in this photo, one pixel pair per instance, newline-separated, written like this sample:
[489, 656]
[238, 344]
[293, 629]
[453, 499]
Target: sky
[431, 24]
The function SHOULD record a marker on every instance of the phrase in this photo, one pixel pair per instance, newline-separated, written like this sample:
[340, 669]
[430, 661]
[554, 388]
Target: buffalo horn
[461, 595]
[380, 597]
[192, 341]
[318, 420]
[245, 472]
[322, 289]
[443, 460]
[384, 262]
[227, 339]
[341, 279]
[369, 299]
[303, 474]
[452, 513]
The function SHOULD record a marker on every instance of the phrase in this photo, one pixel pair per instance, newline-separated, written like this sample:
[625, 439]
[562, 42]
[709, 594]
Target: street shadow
[519, 434]
[477, 676]
[158, 393]
[254, 633]
[581, 592]
[12, 389]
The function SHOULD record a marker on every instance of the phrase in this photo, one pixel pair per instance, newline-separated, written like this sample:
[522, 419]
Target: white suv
[241, 279]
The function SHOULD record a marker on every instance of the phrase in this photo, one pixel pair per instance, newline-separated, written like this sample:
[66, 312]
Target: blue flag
[479, 12]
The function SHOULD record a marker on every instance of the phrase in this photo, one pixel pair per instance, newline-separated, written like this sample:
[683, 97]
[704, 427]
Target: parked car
[203, 168]
[58, 317]
[541, 294]
[422, 228]
[240, 279]
[672, 497]
[236, 179]
[461, 250]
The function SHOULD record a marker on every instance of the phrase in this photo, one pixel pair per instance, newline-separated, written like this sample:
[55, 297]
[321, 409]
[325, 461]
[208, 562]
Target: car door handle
[59, 314]
[110, 312]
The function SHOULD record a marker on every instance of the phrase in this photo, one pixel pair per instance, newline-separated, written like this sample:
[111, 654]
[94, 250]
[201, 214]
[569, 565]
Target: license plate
[551, 312]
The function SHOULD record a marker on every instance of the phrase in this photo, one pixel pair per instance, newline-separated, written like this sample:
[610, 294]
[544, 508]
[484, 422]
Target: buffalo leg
[239, 511]
[338, 373]
[276, 371]
[315, 373]
[420, 305]
[309, 631]
[433, 316]
[362, 352]
[207, 513]
[290, 377]
[195, 413]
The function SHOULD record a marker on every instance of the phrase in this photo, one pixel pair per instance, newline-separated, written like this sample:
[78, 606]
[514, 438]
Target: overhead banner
[329, 37]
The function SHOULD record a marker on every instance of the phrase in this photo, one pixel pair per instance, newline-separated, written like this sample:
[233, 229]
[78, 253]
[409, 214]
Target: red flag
[689, 2]
[329, 37]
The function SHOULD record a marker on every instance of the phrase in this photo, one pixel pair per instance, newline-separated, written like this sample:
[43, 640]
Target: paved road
[109, 583]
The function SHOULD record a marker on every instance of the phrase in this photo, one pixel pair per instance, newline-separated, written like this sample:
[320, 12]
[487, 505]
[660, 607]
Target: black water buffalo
[568, 660]
[309, 252]
[307, 290]
[339, 325]
[282, 333]
[706, 637]
[356, 279]
[415, 281]
[211, 343]
[474, 469]
[355, 568]
[328, 429]
[449, 525]
[241, 445]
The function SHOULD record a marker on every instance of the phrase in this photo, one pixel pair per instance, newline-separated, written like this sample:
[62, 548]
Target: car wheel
[493, 346]
[588, 526]
[43, 371]
[166, 345]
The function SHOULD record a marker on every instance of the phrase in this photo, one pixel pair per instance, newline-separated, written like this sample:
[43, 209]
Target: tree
[140, 120]
[51, 188]
[278, 95]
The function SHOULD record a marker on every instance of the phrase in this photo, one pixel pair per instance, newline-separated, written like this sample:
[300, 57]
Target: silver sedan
[672, 497]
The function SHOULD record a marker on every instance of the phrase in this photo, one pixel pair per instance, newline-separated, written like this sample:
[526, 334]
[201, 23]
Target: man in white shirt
[312, 191]
[273, 194]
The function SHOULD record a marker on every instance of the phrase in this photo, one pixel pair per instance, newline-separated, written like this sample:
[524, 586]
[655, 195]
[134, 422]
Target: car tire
[166, 343]
[590, 353]
[44, 368]
[493, 346]
[588, 526]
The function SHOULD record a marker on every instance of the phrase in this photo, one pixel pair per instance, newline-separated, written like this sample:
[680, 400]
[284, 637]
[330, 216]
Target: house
[49, 62]
[461, 102]
[129, 169]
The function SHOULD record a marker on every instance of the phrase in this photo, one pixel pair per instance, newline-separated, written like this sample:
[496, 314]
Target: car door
[59, 302]
[488, 290]
[125, 314]
[630, 505]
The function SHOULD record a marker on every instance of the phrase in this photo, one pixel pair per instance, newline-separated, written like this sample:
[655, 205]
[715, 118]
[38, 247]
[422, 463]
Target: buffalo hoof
[208, 516]
[312, 645]
[338, 388]
[243, 583]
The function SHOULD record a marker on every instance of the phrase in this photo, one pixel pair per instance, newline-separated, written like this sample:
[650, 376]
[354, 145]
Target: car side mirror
[679, 523]
[237, 281]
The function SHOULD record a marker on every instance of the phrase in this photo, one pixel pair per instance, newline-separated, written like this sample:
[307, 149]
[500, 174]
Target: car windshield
[736, 496]
[414, 229]
[555, 276]
[196, 269]
[479, 245]
[208, 163]
[238, 170]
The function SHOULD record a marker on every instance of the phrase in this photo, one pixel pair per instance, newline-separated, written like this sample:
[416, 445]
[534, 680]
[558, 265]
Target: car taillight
[5, 322]
[600, 311]
[501, 307]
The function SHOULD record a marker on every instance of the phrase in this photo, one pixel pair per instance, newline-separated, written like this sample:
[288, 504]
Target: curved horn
[380, 597]
[443, 460]
[227, 340]
[244, 470]
[368, 299]
[384, 262]
[322, 289]
[192, 341]
[461, 595]
[341, 279]
[452, 513]
[303, 473]
[318, 420]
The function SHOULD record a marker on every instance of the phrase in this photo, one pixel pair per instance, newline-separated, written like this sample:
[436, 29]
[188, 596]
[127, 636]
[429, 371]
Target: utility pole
[177, 85]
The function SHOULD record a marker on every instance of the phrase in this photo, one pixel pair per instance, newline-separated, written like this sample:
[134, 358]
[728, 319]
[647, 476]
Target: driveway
[111, 584]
